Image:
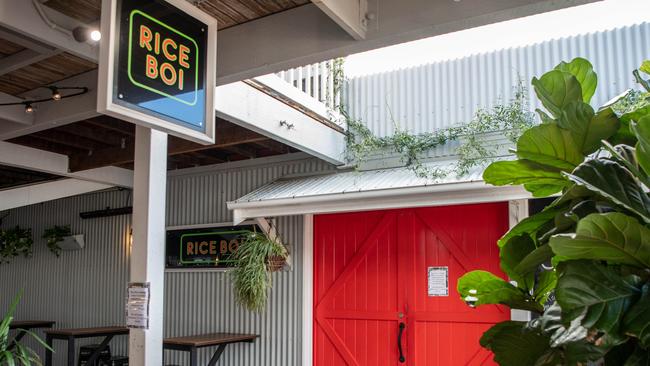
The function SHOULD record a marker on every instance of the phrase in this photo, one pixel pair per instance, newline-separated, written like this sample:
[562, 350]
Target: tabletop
[29, 324]
[212, 339]
[87, 332]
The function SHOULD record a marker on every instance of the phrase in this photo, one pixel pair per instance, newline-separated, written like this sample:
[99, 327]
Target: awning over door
[352, 190]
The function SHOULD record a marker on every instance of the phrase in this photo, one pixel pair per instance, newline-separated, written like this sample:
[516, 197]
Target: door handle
[402, 359]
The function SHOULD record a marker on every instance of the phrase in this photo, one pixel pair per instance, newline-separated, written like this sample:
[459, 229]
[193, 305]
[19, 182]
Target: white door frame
[517, 209]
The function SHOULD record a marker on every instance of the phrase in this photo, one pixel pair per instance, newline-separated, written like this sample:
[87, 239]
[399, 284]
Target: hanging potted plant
[55, 235]
[14, 242]
[258, 255]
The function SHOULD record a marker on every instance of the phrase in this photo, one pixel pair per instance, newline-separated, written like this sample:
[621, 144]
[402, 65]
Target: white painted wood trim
[307, 289]
[427, 196]
[42, 192]
[518, 210]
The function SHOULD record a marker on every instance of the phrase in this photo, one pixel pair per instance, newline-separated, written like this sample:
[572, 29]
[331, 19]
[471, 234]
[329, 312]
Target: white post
[518, 211]
[148, 252]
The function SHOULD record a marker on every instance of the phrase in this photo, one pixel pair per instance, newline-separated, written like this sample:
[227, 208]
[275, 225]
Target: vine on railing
[510, 119]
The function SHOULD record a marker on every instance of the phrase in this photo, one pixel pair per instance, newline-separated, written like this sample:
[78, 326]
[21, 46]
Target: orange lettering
[183, 56]
[213, 247]
[190, 248]
[165, 48]
[181, 77]
[145, 37]
[224, 247]
[152, 67]
[156, 44]
[169, 80]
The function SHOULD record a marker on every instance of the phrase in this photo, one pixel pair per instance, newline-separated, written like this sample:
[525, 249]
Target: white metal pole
[148, 251]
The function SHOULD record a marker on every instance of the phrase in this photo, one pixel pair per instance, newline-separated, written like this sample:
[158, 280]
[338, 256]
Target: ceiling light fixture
[56, 94]
[29, 108]
[84, 34]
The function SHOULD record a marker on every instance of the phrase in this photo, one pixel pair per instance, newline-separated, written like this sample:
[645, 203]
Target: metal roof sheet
[356, 181]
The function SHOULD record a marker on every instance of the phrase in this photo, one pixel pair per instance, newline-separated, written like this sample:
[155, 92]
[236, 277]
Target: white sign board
[137, 306]
[157, 66]
[438, 281]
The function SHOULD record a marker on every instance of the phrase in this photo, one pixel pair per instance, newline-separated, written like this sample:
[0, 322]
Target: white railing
[321, 81]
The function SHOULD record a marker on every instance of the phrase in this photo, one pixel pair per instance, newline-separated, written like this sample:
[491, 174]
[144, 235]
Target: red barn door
[376, 270]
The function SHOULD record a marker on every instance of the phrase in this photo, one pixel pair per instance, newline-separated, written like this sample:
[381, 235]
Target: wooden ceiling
[227, 12]
[12, 177]
[103, 141]
[46, 72]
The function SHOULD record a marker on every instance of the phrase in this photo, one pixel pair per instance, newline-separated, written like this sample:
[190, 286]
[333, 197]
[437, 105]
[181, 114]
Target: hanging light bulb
[29, 108]
[56, 94]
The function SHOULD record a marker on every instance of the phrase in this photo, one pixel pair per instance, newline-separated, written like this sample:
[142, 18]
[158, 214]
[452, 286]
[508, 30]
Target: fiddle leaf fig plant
[582, 264]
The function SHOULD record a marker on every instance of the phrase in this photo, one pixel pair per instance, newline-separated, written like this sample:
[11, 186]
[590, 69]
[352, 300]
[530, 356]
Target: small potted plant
[55, 235]
[14, 242]
[258, 255]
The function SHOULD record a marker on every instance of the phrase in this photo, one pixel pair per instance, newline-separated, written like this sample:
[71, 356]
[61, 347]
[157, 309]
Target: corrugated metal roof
[356, 181]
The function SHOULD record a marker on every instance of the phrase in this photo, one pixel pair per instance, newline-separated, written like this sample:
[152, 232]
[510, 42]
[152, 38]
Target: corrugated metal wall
[87, 287]
[441, 94]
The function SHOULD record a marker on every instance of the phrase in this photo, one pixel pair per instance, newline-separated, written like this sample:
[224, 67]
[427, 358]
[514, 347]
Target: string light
[55, 96]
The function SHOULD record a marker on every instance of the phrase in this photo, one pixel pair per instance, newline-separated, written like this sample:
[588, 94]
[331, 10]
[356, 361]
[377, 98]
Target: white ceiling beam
[25, 41]
[306, 35]
[52, 113]
[253, 109]
[21, 59]
[43, 192]
[348, 14]
[21, 16]
[52, 163]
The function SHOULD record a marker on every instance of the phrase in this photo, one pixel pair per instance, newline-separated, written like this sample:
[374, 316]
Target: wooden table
[22, 326]
[192, 343]
[71, 335]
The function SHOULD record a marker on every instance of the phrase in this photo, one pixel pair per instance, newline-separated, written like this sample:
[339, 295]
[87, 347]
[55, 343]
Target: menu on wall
[137, 305]
[438, 281]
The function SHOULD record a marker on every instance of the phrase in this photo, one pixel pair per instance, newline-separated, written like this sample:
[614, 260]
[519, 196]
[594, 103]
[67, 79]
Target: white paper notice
[137, 306]
[438, 281]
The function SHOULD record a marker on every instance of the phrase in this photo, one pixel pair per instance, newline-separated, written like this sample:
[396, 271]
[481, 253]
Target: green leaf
[640, 357]
[550, 145]
[556, 89]
[602, 126]
[612, 237]
[514, 344]
[518, 172]
[584, 73]
[531, 224]
[637, 319]
[480, 288]
[595, 291]
[645, 66]
[611, 180]
[642, 131]
[546, 282]
[516, 249]
[531, 262]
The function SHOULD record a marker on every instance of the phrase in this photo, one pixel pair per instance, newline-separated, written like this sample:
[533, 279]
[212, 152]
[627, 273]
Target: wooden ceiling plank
[176, 146]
